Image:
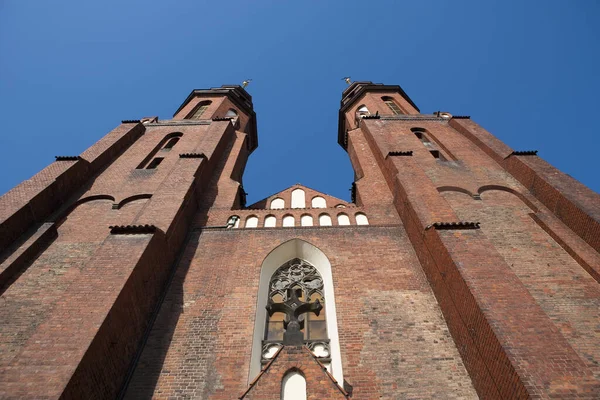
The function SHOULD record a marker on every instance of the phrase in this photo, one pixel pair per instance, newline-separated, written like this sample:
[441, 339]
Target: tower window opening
[155, 162]
[422, 137]
[437, 155]
[360, 112]
[392, 105]
[199, 110]
[171, 143]
[231, 113]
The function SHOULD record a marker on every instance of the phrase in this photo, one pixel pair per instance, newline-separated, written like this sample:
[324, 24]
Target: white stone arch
[298, 198]
[296, 248]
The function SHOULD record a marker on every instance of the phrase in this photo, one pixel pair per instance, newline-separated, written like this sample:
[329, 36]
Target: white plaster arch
[324, 220]
[318, 202]
[306, 220]
[298, 198]
[361, 219]
[293, 386]
[270, 221]
[343, 219]
[296, 248]
[289, 220]
[277, 203]
[251, 222]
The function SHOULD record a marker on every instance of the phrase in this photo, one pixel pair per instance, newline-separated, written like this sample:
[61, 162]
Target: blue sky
[70, 71]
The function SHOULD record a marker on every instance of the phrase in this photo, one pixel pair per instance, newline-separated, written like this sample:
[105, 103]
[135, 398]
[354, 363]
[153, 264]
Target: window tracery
[299, 281]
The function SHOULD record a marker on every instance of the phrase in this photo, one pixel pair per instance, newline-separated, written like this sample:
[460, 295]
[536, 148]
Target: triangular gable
[309, 193]
[320, 384]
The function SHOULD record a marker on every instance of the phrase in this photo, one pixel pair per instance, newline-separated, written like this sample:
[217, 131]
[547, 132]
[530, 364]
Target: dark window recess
[154, 163]
[171, 143]
[422, 137]
[437, 155]
[392, 105]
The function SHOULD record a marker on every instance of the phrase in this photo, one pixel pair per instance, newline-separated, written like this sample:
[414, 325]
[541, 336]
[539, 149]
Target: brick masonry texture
[506, 310]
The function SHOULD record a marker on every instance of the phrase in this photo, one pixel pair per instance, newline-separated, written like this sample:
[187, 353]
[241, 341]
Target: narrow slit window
[155, 162]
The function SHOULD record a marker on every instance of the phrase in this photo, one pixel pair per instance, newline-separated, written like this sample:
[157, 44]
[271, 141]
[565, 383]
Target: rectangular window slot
[155, 162]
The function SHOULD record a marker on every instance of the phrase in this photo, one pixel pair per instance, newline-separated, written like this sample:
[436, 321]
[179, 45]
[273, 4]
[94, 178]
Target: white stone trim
[276, 258]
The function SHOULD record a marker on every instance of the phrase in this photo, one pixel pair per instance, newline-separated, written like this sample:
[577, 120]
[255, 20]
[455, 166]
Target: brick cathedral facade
[460, 269]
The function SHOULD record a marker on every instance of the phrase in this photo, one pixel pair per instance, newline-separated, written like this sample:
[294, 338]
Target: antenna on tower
[347, 79]
[246, 82]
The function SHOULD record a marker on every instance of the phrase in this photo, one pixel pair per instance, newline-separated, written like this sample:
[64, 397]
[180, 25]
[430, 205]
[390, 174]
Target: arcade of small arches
[288, 220]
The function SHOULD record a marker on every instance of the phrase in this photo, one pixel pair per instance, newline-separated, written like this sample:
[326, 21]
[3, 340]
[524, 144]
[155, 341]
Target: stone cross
[293, 308]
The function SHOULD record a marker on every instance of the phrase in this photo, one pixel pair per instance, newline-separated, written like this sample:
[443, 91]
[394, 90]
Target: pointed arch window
[324, 340]
[300, 281]
[392, 105]
[200, 109]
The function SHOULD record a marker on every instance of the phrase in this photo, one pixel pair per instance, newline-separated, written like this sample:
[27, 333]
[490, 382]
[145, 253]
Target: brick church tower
[461, 269]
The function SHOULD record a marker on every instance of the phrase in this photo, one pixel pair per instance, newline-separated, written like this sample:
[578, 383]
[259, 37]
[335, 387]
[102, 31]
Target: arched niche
[277, 204]
[296, 248]
[270, 221]
[318, 202]
[522, 197]
[298, 199]
[324, 220]
[289, 221]
[251, 222]
[293, 385]
[306, 220]
[343, 219]
[361, 219]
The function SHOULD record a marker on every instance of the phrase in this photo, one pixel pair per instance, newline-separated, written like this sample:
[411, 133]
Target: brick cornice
[399, 153]
[180, 122]
[132, 229]
[192, 155]
[453, 225]
[523, 153]
[66, 158]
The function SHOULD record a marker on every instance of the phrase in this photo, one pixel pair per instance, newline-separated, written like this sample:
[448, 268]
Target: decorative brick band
[376, 116]
[222, 119]
[192, 155]
[524, 153]
[131, 229]
[461, 117]
[66, 158]
[453, 225]
[130, 121]
[400, 153]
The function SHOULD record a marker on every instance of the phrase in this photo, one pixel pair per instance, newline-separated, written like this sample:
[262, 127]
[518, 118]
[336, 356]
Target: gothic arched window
[392, 105]
[199, 110]
[297, 283]
[309, 262]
